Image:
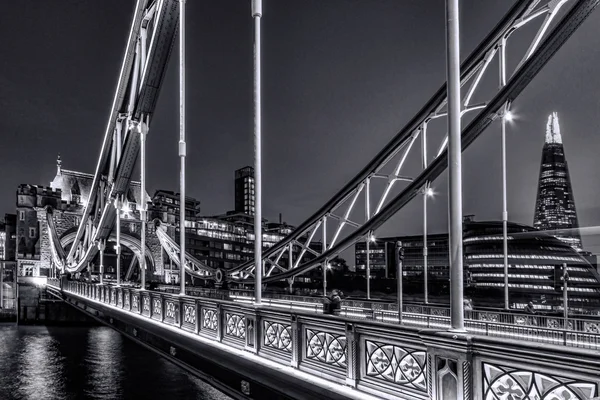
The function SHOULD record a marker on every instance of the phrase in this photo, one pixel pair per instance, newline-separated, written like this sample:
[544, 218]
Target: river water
[50, 363]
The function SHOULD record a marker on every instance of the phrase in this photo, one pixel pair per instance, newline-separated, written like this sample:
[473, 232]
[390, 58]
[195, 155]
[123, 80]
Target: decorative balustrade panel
[113, 297]
[502, 382]
[157, 312]
[171, 310]
[325, 347]
[209, 319]
[135, 302]
[120, 298]
[189, 316]
[277, 336]
[127, 300]
[401, 365]
[146, 305]
[235, 325]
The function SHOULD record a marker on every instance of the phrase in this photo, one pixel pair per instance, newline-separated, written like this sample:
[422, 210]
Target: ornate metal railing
[381, 359]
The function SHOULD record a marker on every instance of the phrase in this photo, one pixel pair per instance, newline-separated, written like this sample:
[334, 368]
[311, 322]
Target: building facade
[67, 196]
[555, 204]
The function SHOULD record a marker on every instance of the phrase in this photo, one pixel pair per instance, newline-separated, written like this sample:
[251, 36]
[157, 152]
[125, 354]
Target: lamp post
[507, 116]
[454, 167]
[427, 192]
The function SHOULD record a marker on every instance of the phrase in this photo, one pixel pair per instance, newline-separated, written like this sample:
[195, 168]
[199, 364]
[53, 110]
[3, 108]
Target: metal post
[425, 194]
[425, 248]
[504, 216]
[326, 261]
[182, 149]
[143, 211]
[399, 278]
[367, 217]
[2, 284]
[101, 247]
[368, 267]
[118, 247]
[565, 296]
[502, 59]
[454, 167]
[257, 14]
[325, 264]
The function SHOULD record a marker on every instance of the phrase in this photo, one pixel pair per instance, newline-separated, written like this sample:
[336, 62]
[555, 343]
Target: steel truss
[334, 217]
[135, 99]
[149, 45]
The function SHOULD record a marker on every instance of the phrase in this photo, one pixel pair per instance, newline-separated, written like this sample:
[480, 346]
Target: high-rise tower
[244, 190]
[555, 204]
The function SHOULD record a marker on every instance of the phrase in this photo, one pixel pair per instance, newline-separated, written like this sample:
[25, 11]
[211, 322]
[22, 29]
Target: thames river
[50, 363]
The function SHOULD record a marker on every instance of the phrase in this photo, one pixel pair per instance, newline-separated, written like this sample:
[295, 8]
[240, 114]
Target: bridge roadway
[263, 352]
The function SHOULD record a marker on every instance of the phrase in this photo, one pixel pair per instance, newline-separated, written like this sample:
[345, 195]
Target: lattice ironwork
[135, 302]
[146, 306]
[235, 325]
[156, 307]
[127, 301]
[170, 309]
[328, 348]
[209, 319]
[277, 335]
[401, 365]
[189, 314]
[501, 383]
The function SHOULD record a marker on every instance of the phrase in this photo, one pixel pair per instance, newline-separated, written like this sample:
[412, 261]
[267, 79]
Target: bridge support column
[449, 366]
[182, 147]
[353, 358]
[454, 167]
[258, 262]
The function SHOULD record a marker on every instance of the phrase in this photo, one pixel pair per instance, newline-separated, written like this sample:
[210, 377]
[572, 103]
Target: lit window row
[478, 238]
[531, 256]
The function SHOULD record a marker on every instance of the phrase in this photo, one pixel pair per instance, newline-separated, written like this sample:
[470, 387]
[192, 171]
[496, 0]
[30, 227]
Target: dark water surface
[88, 363]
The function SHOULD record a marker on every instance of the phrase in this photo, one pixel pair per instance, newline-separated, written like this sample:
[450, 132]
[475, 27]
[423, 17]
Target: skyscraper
[555, 204]
[244, 190]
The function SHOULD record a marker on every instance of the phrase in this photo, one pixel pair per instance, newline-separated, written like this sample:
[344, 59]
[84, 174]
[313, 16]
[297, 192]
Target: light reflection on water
[88, 363]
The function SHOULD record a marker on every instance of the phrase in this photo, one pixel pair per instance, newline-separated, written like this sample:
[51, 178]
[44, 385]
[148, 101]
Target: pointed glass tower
[555, 204]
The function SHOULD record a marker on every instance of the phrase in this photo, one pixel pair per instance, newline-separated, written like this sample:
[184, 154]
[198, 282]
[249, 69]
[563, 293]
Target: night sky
[341, 78]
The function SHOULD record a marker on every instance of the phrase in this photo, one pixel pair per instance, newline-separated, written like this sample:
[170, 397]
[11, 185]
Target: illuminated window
[32, 232]
[21, 215]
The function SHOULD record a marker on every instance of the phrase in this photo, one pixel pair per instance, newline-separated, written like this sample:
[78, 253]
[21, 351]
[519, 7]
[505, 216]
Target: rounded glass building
[535, 260]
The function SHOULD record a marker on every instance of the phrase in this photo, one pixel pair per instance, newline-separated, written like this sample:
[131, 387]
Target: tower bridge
[401, 352]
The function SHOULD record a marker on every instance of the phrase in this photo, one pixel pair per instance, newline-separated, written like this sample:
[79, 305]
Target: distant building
[244, 191]
[555, 204]
[378, 258]
[8, 264]
[533, 257]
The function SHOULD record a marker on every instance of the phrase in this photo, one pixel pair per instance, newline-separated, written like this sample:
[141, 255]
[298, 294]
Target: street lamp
[507, 116]
[427, 192]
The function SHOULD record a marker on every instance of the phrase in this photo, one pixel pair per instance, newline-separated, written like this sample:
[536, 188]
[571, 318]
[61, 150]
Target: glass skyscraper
[555, 205]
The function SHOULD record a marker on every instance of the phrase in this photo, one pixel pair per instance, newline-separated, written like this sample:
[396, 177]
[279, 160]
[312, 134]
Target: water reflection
[88, 363]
